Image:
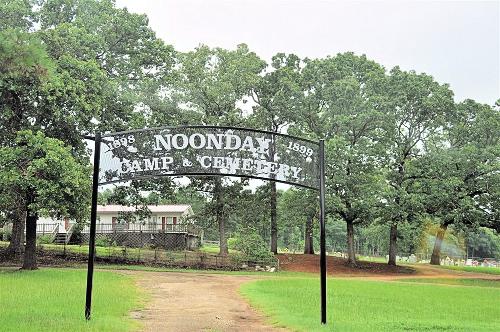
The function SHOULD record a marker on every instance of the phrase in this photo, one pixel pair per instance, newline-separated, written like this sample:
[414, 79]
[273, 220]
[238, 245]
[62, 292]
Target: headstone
[447, 261]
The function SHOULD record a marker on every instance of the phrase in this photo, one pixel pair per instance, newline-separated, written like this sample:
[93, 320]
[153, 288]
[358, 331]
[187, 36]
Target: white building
[167, 226]
[165, 218]
[112, 218]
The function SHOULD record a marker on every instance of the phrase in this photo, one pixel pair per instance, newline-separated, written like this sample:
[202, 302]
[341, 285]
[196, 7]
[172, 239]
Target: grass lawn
[214, 249]
[478, 269]
[54, 300]
[372, 259]
[456, 282]
[361, 305]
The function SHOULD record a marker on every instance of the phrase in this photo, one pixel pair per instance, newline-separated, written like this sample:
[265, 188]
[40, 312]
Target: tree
[299, 208]
[349, 91]
[461, 184]
[110, 54]
[277, 95]
[417, 109]
[17, 14]
[72, 67]
[25, 72]
[483, 242]
[212, 84]
[42, 172]
[258, 219]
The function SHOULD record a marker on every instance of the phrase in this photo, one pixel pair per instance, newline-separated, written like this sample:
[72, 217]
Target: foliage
[44, 239]
[298, 211]
[483, 242]
[17, 14]
[212, 83]
[25, 74]
[417, 109]
[349, 91]
[399, 150]
[461, 185]
[5, 234]
[252, 246]
[102, 242]
[44, 170]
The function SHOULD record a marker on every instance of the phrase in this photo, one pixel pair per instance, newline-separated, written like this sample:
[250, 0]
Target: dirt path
[186, 302]
[337, 267]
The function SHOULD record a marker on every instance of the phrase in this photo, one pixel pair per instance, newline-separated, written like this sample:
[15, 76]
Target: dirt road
[189, 302]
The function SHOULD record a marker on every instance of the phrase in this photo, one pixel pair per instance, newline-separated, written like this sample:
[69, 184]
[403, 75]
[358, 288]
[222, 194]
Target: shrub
[102, 242]
[253, 247]
[76, 237]
[45, 239]
[232, 243]
[5, 234]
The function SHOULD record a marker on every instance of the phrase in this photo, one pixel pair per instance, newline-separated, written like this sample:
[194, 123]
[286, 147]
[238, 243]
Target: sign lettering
[208, 151]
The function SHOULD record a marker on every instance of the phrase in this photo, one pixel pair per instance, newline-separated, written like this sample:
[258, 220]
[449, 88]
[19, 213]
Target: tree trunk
[30, 251]
[393, 244]
[16, 248]
[274, 222]
[436, 253]
[219, 206]
[351, 253]
[308, 237]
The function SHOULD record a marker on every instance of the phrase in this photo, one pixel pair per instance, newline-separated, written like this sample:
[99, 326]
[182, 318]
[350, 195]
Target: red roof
[178, 208]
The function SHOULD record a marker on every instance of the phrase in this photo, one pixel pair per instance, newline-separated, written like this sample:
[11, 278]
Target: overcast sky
[457, 42]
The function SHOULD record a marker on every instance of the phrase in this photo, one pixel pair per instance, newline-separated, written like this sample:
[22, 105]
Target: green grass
[214, 249]
[477, 269]
[456, 282]
[372, 259]
[361, 305]
[54, 300]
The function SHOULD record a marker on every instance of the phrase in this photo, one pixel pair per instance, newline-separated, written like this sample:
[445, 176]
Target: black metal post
[322, 257]
[93, 217]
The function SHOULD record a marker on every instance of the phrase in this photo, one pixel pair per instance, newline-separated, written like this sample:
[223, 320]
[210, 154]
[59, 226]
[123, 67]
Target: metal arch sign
[207, 150]
[196, 150]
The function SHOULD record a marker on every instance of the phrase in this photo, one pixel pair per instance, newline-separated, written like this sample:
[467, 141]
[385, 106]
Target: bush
[102, 242]
[5, 234]
[253, 247]
[45, 239]
[76, 237]
[232, 243]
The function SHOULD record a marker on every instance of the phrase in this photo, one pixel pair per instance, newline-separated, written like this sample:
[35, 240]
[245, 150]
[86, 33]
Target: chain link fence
[51, 254]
